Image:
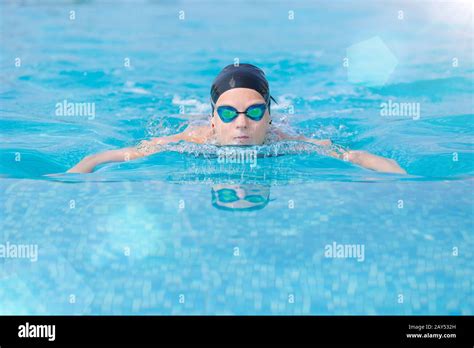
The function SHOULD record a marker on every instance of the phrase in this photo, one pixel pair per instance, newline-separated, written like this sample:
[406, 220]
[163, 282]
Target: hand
[370, 161]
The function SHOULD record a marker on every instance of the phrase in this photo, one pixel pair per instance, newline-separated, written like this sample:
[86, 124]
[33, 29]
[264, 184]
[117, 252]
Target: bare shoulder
[284, 136]
[280, 134]
[195, 134]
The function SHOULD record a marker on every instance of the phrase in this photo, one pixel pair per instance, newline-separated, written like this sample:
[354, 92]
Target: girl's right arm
[145, 148]
[88, 163]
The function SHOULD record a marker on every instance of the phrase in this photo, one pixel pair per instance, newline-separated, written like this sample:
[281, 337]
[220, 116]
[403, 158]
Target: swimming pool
[144, 237]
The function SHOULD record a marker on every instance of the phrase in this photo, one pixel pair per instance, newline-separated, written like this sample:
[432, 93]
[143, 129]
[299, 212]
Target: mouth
[242, 137]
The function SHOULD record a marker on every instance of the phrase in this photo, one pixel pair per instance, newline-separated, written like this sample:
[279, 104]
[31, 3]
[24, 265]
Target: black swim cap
[240, 76]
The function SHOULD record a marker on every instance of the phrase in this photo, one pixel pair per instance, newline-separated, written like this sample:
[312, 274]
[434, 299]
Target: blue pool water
[144, 237]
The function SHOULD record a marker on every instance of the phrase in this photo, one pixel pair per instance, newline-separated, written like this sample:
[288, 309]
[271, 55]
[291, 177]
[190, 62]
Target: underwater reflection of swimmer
[240, 197]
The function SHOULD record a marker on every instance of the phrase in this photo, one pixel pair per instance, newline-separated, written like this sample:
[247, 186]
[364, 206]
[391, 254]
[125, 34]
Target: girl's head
[240, 99]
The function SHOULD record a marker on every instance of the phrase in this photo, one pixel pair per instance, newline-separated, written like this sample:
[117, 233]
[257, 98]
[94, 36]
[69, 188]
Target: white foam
[193, 106]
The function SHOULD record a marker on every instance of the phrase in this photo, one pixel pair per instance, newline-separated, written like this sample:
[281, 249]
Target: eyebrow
[255, 102]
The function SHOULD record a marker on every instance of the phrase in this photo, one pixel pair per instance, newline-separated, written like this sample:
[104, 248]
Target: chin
[239, 142]
[245, 141]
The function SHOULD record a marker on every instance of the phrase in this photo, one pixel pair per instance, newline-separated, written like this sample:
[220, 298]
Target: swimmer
[240, 102]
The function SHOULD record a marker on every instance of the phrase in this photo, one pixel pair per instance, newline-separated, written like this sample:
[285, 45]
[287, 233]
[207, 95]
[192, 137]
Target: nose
[241, 121]
[240, 193]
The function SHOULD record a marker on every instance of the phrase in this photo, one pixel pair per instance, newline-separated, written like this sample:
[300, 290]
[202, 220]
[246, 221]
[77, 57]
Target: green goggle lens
[255, 199]
[255, 112]
[227, 196]
[228, 115]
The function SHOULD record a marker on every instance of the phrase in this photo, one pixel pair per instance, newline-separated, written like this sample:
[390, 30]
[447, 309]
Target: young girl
[240, 101]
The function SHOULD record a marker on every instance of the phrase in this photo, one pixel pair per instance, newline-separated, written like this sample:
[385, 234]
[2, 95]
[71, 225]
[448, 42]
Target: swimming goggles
[227, 195]
[228, 113]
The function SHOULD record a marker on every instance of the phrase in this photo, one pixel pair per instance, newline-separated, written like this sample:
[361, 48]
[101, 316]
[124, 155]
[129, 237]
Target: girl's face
[242, 130]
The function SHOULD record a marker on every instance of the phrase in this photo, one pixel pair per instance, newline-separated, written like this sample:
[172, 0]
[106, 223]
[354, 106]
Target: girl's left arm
[361, 158]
